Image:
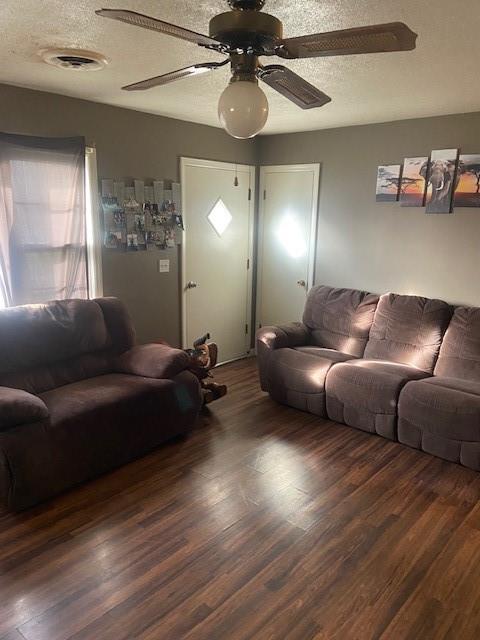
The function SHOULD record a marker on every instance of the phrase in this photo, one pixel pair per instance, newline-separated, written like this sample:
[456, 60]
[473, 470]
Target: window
[49, 235]
[93, 227]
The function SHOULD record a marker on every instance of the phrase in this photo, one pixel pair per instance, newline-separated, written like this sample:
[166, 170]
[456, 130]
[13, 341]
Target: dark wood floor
[266, 523]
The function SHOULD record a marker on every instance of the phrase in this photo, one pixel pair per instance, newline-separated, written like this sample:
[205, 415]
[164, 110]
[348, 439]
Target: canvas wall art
[388, 182]
[468, 187]
[441, 177]
[414, 184]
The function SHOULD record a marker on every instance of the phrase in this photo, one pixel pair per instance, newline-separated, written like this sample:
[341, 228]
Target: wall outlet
[164, 266]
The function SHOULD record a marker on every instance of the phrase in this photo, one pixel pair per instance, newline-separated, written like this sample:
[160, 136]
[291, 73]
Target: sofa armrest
[20, 407]
[152, 361]
[293, 334]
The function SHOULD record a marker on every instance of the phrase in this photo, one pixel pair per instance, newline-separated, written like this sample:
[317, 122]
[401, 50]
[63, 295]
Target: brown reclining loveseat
[399, 366]
[78, 398]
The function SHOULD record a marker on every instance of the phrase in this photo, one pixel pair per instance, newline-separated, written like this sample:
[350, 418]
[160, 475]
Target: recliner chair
[404, 342]
[294, 359]
[441, 415]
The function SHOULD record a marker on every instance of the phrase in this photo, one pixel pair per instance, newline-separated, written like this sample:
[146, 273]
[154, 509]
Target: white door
[217, 260]
[287, 238]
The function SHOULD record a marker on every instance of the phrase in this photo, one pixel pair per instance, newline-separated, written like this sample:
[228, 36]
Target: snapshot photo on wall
[388, 182]
[413, 184]
[467, 193]
[442, 174]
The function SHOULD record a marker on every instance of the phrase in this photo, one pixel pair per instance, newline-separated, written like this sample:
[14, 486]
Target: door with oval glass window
[217, 203]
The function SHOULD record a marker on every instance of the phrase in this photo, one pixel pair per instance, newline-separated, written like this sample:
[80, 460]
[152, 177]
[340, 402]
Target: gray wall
[384, 247]
[378, 247]
[129, 144]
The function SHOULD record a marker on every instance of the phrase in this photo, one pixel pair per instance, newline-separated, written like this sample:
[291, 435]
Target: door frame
[241, 168]
[312, 245]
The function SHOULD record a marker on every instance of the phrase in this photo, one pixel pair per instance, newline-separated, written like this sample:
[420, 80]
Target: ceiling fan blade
[293, 87]
[394, 36]
[194, 70]
[147, 22]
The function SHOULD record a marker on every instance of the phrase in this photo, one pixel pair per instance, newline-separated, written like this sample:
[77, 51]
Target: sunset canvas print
[468, 189]
[388, 182]
[413, 184]
[442, 172]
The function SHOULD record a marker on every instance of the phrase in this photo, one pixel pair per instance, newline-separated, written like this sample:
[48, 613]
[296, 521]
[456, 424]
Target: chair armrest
[20, 407]
[293, 334]
[152, 361]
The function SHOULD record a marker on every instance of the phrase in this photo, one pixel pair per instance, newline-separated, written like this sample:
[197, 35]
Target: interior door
[216, 266]
[287, 238]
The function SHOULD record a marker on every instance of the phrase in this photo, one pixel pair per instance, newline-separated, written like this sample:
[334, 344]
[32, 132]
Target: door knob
[301, 283]
[191, 284]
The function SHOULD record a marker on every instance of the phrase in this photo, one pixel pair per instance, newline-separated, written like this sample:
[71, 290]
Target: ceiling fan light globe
[243, 109]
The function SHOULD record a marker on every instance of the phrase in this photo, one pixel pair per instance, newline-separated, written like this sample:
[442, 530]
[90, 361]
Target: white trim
[93, 226]
[264, 170]
[240, 168]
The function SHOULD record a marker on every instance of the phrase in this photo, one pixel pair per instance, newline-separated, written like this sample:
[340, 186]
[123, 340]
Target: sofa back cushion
[43, 346]
[340, 318]
[408, 330]
[460, 352]
[118, 323]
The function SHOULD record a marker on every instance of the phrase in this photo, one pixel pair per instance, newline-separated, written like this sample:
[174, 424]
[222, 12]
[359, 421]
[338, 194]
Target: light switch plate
[164, 266]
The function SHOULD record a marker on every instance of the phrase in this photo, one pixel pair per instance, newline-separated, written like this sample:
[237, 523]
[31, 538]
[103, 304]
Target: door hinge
[248, 263]
[249, 193]
[264, 194]
[246, 328]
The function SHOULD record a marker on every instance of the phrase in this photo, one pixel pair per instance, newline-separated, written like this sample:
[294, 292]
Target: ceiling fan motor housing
[247, 30]
[246, 5]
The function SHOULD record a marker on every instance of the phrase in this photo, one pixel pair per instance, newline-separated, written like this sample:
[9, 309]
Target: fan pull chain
[235, 182]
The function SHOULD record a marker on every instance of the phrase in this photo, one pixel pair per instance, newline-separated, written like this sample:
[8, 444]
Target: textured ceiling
[440, 77]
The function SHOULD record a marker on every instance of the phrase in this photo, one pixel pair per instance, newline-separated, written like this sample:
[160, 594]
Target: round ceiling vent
[74, 59]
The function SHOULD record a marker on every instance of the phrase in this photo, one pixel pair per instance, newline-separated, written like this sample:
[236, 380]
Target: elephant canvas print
[467, 193]
[388, 182]
[413, 184]
[441, 180]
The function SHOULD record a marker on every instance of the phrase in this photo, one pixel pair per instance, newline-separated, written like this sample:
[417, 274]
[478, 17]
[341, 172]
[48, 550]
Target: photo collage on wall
[439, 183]
[140, 217]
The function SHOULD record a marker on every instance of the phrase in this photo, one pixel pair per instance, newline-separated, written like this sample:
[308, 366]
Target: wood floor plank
[265, 523]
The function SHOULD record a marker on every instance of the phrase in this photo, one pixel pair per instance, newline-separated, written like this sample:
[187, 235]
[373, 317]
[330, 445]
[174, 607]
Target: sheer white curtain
[43, 253]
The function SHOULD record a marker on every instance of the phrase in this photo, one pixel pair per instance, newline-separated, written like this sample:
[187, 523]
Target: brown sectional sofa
[398, 366]
[78, 398]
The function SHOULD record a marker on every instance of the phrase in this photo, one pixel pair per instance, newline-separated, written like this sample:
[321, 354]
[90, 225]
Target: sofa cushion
[297, 376]
[449, 407]
[364, 393]
[328, 354]
[119, 325]
[408, 330]
[109, 394]
[38, 334]
[460, 352]
[19, 407]
[57, 374]
[340, 318]
[442, 416]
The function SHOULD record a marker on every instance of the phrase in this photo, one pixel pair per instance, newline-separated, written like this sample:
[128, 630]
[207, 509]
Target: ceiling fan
[244, 34]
